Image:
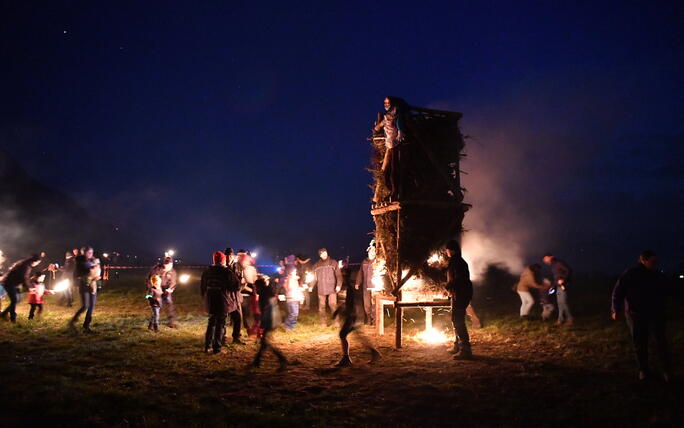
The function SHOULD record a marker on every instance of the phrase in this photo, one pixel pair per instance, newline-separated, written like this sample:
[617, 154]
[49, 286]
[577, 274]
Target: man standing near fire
[219, 288]
[328, 278]
[460, 288]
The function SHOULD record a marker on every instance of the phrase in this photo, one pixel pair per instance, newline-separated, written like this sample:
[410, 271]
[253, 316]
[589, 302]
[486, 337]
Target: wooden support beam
[379, 314]
[384, 209]
[398, 317]
[434, 303]
[428, 318]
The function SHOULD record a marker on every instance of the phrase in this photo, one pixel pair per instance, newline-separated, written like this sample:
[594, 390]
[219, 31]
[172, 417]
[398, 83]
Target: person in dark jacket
[270, 318]
[642, 291]
[352, 316]
[328, 279]
[168, 277]
[17, 276]
[87, 275]
[218, 287]
[460, 288]
[562, 280]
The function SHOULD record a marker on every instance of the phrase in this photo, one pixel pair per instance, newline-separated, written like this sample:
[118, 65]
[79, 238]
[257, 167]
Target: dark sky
[245, 123]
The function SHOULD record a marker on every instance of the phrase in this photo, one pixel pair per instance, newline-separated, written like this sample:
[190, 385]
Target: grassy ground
[525, 374]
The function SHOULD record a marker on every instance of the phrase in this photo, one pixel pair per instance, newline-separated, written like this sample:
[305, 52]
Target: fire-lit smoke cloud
[567, 171]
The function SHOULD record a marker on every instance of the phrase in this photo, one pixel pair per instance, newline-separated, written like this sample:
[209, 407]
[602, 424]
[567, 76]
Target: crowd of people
[236, 295]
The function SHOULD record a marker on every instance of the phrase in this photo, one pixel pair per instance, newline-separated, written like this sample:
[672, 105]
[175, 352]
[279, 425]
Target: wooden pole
[428, 318]
[379, 315]
[398, 311]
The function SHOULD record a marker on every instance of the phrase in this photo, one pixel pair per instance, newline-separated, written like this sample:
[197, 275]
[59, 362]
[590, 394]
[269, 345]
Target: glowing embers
[431, 336]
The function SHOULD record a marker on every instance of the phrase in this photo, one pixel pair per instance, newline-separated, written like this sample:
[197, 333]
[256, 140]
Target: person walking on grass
[529, 279]
[87, 274]
[328, 279]
[270, 319]
[154, 297]
[36, 295]
[18, 275]
[641, 292]
[218, 287]
[293, 297]
[562, 282]
[353, 317]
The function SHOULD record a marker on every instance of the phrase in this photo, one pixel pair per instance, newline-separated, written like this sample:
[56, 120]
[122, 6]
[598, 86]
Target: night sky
[245, 123]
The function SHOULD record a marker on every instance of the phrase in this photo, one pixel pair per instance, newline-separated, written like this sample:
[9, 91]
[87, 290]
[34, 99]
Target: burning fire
[432, 336]
[61, 286]
[379, 269]
[183, 279]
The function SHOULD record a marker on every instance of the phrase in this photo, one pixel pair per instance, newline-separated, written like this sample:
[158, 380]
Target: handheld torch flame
[61, 286]
[309, 278]
[183, 279]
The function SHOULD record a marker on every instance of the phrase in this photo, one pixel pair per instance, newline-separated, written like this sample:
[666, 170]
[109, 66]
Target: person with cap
[642, 291]
[18, 275]
[328, 278]
[168, 277]
[218, 287]
[460, 288]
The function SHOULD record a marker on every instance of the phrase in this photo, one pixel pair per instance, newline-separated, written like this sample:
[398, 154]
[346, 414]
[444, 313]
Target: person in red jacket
[37, 293]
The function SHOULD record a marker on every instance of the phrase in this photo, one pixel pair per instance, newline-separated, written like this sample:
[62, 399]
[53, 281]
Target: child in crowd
[293, 298]
[36, 295]
[154, 295]
[349, 312]
[270, 318]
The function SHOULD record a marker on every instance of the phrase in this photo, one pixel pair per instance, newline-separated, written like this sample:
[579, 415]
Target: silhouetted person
[642, 291]
[218, 288]
[270, 318]
[364, 283]
[352, 317]
[562, 281]
[460, 288]
[17, 276]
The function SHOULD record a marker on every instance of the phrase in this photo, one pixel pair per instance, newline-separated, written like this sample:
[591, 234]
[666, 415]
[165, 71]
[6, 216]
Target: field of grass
[525, 373]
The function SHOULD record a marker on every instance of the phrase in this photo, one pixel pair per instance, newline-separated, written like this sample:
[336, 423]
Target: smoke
[565, 171]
